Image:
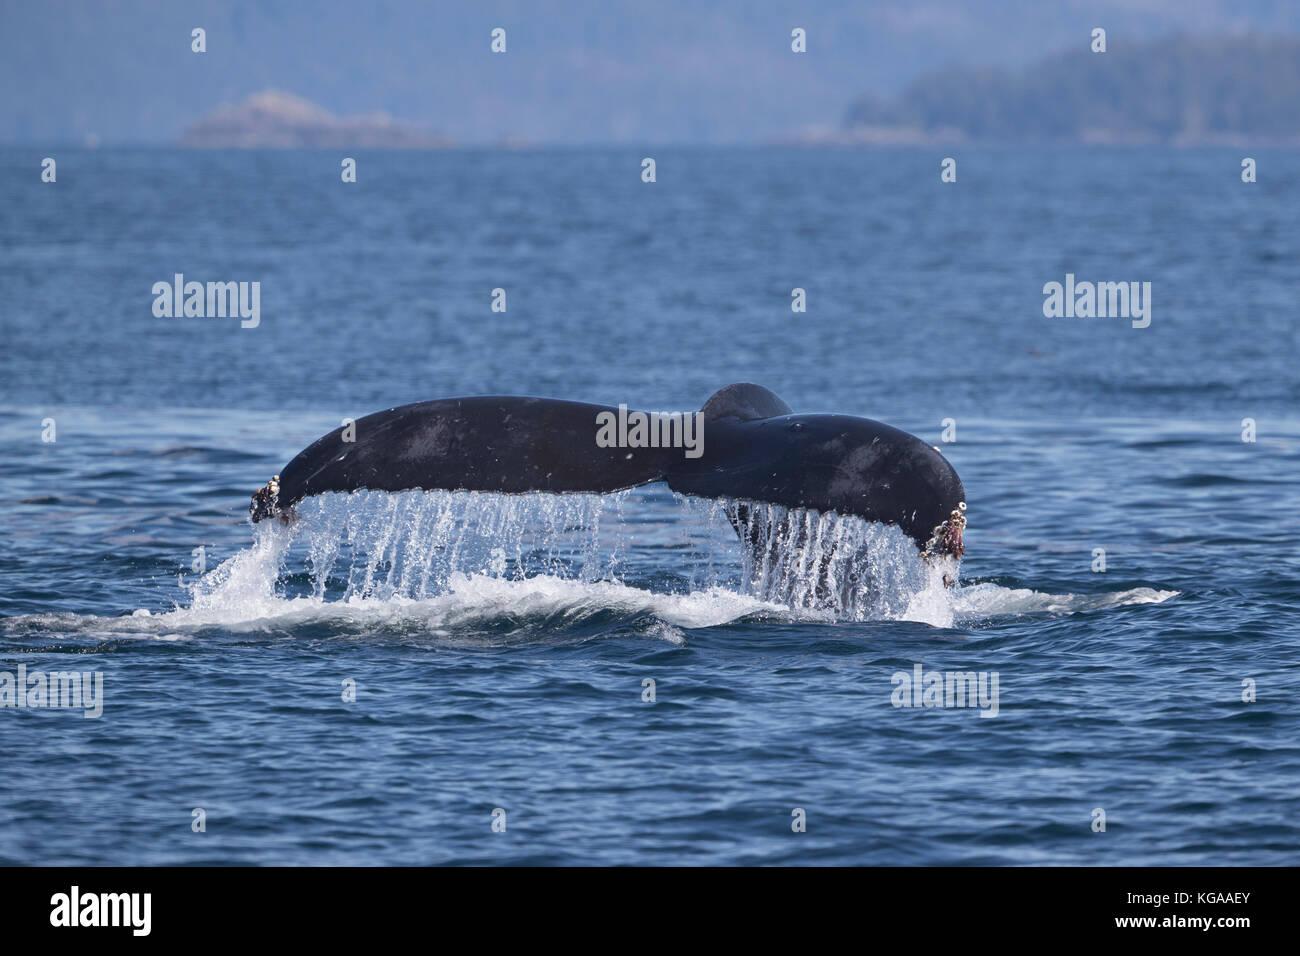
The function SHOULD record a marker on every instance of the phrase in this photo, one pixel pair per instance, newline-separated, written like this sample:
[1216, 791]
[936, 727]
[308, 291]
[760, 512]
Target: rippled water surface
[500, 647]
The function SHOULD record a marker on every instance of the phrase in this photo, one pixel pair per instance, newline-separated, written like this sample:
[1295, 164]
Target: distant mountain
[1176, 91]
[274, 119]
[619, 71]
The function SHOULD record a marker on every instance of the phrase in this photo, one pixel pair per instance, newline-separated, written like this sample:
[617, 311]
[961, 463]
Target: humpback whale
[752, 448]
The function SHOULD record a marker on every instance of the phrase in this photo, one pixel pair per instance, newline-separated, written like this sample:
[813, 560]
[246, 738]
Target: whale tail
[747, 445]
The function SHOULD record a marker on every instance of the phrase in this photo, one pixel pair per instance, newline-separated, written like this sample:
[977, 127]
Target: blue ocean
[464, 678]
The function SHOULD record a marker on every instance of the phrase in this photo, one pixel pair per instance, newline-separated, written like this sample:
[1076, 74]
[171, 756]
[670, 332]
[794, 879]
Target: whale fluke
[751, 448]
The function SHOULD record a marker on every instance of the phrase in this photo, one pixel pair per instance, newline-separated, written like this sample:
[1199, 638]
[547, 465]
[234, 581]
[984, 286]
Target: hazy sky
[576, 72]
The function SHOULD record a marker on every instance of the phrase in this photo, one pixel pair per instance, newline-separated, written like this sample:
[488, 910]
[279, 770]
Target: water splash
[420, 545]
[838, 565]
[450, 568]
[410, 544]
[445, 560]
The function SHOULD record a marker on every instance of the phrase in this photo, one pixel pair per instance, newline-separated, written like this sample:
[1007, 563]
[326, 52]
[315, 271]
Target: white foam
[981, 602]
[471, 601]
[440, 562]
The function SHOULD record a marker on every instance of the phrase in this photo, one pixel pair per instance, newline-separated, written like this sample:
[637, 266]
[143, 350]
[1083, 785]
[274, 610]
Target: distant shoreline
[786, 142]
[902, 137]
[1229, 91]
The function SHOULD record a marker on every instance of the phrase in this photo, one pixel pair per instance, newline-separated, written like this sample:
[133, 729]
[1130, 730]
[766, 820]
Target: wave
[982, 602]
[461, 565]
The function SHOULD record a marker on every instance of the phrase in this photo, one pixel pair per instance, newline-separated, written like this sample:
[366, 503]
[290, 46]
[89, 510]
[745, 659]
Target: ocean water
[500, 647]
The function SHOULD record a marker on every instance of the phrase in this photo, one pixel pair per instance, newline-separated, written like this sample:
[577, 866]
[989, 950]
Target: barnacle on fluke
[266, 500]
[946, 538]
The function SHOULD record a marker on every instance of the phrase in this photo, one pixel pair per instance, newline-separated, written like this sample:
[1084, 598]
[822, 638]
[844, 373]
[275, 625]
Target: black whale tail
[751, 447]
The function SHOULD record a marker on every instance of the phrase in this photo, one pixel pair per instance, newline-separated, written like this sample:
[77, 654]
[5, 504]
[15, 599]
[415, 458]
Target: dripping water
[418, 545]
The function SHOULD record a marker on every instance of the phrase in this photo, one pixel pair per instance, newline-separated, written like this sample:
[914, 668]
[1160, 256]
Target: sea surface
[435, 678]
